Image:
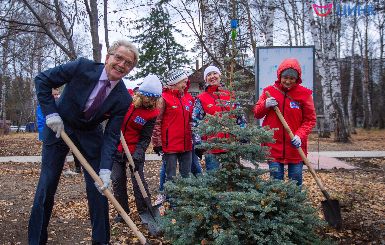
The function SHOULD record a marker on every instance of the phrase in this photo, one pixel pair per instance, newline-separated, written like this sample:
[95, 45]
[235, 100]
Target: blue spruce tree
[236, 204]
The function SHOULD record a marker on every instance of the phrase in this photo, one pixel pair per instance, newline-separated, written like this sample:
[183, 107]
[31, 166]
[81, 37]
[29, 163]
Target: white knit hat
[151, 86]
[175, 76]
[210, 69]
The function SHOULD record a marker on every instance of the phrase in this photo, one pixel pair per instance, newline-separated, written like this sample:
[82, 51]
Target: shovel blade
[332, 213]
[150, 219]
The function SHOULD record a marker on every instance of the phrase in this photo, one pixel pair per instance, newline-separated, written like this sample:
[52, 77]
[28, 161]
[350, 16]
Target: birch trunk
[250, 27]
[105, 8]
[381, 115]
[340, 125]
[270, 23]
[351, 83]
[326, 93]
[4, 84]
[365, 84]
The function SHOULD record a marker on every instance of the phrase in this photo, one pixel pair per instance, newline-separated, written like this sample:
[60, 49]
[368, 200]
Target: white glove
[270, 102]
[55, 123]
[105, 176]
[296, 141]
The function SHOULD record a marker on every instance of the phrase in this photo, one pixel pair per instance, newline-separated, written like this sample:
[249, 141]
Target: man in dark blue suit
[93, 93]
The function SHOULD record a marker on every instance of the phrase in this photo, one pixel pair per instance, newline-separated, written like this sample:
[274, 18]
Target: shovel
[331, 208]
[106, 192]
[149, 217]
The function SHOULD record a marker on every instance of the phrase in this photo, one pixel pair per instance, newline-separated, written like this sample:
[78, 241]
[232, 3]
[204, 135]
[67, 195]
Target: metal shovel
[331, 208]
[106, 192]
[149, 217]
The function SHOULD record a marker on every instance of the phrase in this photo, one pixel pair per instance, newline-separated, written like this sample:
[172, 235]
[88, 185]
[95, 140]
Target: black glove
[138, 156]
[158, 150]
[136, 166]
[199, 152]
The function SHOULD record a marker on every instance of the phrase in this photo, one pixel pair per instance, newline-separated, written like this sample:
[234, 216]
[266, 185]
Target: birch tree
[351, 82]
[380, 25]
[263, 19]
[326, 63]
[365, 83]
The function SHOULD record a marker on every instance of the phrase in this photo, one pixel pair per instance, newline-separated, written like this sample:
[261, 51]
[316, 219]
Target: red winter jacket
[173, 126]
[296, 106]
[133, 125]
[211, 105]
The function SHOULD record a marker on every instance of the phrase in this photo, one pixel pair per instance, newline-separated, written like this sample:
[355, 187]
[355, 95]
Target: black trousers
[119, 183]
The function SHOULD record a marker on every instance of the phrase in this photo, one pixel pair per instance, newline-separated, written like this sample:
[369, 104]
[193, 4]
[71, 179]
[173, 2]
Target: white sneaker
[160, 198]
[69, 172]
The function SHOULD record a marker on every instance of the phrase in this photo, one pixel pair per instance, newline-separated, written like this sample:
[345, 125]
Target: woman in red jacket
[211, 101]
[297, 106]
[137, 129]
[172, 133]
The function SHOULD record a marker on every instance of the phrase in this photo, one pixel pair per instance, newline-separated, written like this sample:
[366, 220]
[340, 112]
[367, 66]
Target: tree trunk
[381, 112]
[288, 27]
[3, 76]
[340, 129]
[365, 83]
[295, 21]
[92, 10]
[105, 5]
[250, 27]
[270, 23]
[303, 22]
[351, 83]
[326, 94]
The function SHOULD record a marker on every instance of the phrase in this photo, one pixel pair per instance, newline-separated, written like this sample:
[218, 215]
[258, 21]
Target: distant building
[197, 82]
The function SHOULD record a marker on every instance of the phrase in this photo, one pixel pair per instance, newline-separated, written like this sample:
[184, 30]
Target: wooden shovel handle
[300, 151]
[132, 164]
[106, 192]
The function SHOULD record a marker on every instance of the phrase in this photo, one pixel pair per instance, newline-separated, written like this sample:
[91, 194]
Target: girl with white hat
[137, 129]
[211, 102]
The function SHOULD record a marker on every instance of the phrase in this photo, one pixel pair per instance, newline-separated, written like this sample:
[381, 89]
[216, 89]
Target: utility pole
[234, 25]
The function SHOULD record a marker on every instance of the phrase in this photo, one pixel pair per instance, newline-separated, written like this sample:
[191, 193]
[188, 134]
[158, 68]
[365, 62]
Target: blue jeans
[196, 168]
[277, 171]
[168, 169]
[212, 162]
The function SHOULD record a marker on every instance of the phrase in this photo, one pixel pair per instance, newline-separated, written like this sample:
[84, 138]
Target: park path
[320, 160]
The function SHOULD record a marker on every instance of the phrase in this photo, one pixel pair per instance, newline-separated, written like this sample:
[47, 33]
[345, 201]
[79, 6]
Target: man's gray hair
[130, 46]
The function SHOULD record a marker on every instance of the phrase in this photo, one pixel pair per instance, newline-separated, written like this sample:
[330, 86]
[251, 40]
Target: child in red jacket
[137, 129]
[297, 106]
[172, 134]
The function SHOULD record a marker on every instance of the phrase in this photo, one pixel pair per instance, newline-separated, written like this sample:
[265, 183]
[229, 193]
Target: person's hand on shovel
[296, 141]
[55, 123]
[271, 102]
[105, 176]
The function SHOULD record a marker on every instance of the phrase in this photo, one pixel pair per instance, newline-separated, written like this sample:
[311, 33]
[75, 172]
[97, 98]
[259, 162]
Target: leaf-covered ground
[360, 192]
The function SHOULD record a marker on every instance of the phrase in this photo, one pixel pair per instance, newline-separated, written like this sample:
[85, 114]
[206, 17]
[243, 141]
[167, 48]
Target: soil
[360, 193]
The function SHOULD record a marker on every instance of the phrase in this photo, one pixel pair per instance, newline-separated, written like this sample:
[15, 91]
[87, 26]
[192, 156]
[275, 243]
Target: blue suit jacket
[80, 77]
